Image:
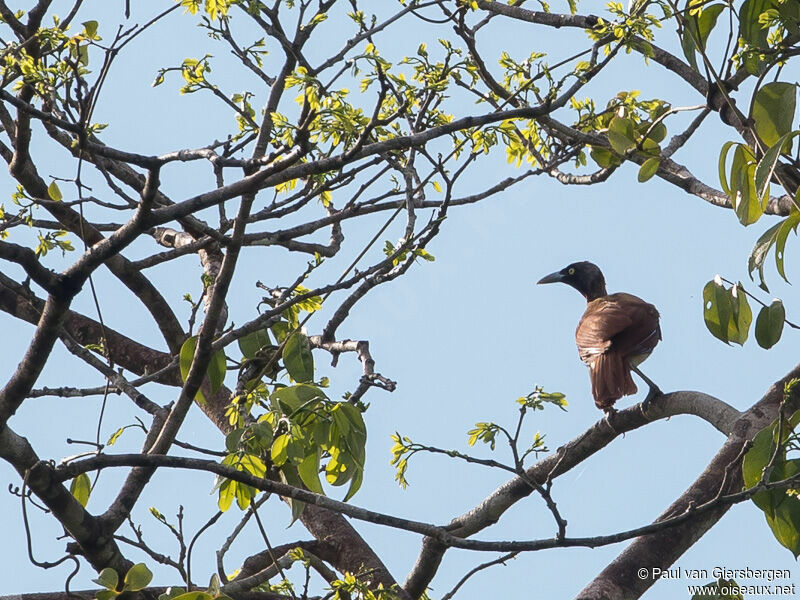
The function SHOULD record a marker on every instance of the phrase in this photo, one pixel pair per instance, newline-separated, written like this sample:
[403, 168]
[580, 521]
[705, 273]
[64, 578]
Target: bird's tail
[611, 379]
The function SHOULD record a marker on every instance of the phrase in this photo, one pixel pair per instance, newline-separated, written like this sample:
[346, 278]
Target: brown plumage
[616, 333]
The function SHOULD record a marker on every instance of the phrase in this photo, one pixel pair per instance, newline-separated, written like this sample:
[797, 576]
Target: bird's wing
[622, 321]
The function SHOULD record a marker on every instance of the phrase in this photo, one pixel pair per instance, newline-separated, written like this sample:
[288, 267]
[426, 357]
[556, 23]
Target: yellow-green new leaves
[230, 489]
[54, 192]
[81, 487]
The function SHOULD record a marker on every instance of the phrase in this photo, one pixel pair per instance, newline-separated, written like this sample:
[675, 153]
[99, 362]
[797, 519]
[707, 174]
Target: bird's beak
[552, 278]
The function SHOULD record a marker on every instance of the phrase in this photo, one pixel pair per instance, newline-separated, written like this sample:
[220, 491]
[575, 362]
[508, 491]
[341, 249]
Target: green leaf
[773, 111]
[759, 253]
[106, 595]
[279, 452]
[707, 21]
[621, 134]
[137, 578]
[723, 159]
[298, 358]
[789, 224]
[90, 29]
[54, 192]
[717, 309]
[769, 324]
[355, 484]
[115, 436]
[745, 200]
[107, 578]
[253, 342]
[81, 487]
[227, 493]
[289, 399]
[741, 316]
[603, 157]
[187, 356]
[172, 593]
[308, 469]
[216, 371]
[194, 596]
[648, 169]
[280, 330]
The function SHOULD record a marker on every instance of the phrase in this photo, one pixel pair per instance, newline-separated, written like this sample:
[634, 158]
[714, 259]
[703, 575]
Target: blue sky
[464, 337]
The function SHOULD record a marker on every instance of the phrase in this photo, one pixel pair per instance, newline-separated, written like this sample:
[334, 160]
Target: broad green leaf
[107, 578]
[789, 224]
[106, 595]
[172, 593]
[280, 330]
[187, 356]
[707, 21]
[194, 596]
[750, 27]
[741, 316]
[648, 169]
[137, 578]
[769, 324]
[252, 464]
[244, 495]
[227, 493]
[216, 370]
[253, 342]
[698, 26]
[308, 469]
[604, 157]
[723, 174]
[279, 452]
[355, 484]
[298, 358]
[759, 253]
[773, 111]
[291, 398]
[54, 192]
[785, 524]
[81, 487]
[766, 167]
[746, 202]
[717, 309]
[90, 29]
[621, 134]
[658, 133]
[232, 440]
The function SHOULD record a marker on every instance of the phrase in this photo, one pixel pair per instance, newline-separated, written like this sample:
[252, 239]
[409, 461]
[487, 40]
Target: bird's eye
[571, 272]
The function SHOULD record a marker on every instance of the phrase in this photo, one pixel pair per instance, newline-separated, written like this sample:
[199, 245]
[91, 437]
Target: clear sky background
[464, 336]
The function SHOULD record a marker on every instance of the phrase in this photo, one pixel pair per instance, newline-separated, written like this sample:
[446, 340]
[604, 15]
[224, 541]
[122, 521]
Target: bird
[615, 334]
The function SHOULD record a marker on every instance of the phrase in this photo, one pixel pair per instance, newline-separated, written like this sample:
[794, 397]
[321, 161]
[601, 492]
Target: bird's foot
[654, 393]
[610, 412]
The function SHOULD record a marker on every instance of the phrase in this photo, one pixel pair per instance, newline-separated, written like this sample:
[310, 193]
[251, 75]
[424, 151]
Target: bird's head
[584, 276]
